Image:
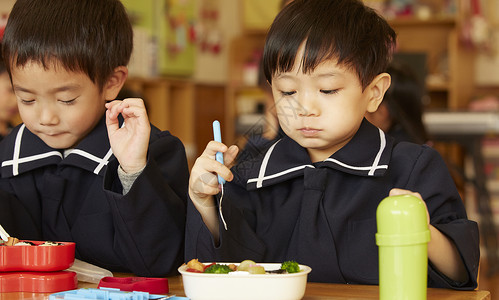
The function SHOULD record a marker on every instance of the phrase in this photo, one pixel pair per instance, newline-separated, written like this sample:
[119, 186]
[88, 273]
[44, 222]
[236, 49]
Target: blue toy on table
[109, 294]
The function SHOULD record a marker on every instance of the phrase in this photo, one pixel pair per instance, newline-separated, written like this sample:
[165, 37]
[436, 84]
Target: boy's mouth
[52, 134]
[309, 132]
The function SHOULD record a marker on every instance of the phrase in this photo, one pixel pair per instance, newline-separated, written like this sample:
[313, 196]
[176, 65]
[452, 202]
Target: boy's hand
[203, 182]
[397, 192]
[130, 142]
[442, 251]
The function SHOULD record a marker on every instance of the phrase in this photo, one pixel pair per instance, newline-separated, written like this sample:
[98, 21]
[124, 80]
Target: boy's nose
[48, 116]
[308, 106]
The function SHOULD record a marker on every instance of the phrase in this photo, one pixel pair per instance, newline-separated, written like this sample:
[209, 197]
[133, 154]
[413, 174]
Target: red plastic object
[137, 284]
[38, 282]
[37, 258]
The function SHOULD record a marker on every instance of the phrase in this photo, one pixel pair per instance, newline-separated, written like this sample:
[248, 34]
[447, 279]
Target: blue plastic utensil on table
[109, 294]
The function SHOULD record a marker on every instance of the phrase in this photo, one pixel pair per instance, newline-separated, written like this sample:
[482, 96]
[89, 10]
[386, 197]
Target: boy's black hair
[91, 36]
[345, 30]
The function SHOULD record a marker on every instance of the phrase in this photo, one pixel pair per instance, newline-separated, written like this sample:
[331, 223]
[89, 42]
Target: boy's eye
[328, 92]
[285, 93]
[24, 101]
[68, 101]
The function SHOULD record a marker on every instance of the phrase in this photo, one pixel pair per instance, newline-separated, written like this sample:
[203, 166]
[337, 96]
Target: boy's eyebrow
[326, 74]
[283, 76]
[64, 88]
[329, 74]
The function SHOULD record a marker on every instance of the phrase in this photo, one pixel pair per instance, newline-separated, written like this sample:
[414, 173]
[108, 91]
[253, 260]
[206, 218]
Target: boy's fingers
[207, 168]
[397, 192]
[231, 154]
[114, 108]
[200, 187]
[203, 181]
[220, 169]
[212, 148]
[111, 122]
[135, 102]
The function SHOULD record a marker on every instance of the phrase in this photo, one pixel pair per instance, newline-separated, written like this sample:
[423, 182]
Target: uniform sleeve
[238, 242]
[18, 220]
[149, 220]
[431, 178]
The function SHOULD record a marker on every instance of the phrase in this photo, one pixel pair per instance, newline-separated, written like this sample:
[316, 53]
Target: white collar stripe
[372, 169]
[104, 161]
[17, 151]
[86, 155]
[378, 156]
[356, 168]
[259, 180]
[263, 167]
[30, 158]
[101, 161]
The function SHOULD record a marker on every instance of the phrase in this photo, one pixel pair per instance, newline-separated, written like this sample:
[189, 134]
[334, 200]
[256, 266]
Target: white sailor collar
[367, 154]
[23, 151]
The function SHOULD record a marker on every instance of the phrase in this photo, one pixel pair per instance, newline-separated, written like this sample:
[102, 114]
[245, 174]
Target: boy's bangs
[49, 50]
[47, 60]
[51, 59]
[317, 50]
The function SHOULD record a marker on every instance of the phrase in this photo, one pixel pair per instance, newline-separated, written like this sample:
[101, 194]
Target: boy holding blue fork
[312, 195]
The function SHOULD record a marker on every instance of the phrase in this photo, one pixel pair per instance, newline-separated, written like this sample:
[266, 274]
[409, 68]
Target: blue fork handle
[217, 134]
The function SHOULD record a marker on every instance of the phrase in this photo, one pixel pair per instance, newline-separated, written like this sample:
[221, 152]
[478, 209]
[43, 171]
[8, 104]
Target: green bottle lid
[401, 220]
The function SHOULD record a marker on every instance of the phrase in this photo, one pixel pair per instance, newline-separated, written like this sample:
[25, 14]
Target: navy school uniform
[44, 196]
[281, 206]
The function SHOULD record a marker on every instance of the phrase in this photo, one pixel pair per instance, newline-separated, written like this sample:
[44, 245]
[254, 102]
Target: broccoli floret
[290, 266]
[218, 269]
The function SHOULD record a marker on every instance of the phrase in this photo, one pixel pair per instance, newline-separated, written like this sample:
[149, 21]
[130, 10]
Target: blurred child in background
[8, 102]
[401, 111]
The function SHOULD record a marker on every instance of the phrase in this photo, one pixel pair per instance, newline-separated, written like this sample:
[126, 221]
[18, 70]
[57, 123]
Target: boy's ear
[377, 90]
[115, 82]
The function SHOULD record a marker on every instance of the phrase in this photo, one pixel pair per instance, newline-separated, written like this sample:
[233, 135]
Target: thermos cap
[401, 220]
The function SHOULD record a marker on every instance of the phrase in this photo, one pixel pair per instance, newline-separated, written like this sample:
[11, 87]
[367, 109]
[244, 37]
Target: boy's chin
[58, 142]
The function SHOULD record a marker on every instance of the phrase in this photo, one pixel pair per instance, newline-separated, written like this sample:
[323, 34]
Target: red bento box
[37, 258]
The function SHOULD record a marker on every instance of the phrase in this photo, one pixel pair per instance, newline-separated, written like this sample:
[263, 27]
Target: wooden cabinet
[183, 107]
[450, 66]
[241, 54]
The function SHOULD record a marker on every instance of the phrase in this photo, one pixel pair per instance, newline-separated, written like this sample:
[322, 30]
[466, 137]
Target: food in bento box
[24, 243]
[16, 242]
[268, 286]
[50, 244]
[246, 266]
[12, 241]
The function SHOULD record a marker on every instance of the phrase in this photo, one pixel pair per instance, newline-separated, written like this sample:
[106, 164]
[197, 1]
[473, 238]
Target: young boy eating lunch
[81, 167]
[312, 195]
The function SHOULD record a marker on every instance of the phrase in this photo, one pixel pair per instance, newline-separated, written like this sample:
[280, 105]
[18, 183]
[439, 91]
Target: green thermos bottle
[402, 240]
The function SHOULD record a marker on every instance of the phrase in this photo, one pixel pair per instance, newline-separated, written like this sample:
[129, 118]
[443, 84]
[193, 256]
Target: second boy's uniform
[280, 206]
[77, 196]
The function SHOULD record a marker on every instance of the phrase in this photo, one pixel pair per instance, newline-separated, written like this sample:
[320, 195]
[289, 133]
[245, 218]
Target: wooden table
[314, 291]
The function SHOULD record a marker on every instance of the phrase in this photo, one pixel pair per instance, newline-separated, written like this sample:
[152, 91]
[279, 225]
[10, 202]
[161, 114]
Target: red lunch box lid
[38, 282]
